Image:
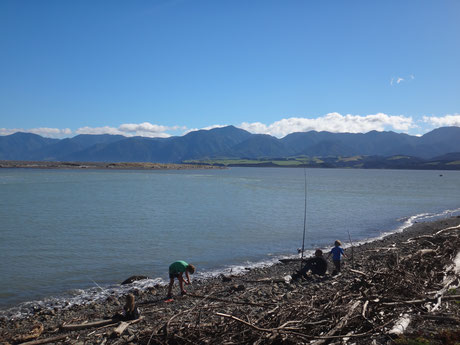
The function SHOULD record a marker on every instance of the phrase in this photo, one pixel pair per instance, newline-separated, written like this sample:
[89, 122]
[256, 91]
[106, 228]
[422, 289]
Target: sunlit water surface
[67, 235]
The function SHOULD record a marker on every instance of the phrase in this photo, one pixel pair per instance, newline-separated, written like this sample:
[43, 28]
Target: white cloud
[204, 128]
[447, 120]
[43, 131]
[98, 130]
[396, 80]
[332, 122]
[144, 129]
[399, 80]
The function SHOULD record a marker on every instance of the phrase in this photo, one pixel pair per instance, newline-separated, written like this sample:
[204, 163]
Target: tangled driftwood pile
[399, 283]
[360, 304]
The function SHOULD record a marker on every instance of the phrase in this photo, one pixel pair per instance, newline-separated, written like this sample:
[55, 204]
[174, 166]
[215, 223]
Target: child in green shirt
[176, 270]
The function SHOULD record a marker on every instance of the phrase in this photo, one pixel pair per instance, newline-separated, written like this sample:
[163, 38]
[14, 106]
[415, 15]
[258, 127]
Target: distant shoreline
[14, 164]
[103, 165]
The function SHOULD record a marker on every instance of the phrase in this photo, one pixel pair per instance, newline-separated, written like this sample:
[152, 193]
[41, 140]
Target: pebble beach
[410, 277]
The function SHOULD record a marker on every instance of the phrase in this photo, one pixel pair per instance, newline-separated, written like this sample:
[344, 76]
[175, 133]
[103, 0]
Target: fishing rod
[304, 217]
[96, 284]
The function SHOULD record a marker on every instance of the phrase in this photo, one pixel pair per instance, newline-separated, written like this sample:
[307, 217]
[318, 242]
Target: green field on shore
[356, 162]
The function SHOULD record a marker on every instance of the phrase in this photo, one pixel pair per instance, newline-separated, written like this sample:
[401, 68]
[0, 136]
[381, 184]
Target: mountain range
[227, 142]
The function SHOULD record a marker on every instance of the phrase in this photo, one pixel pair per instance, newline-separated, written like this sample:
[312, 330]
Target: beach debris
[34, 333]
[225, 279]
[46, 340]
[85, 325]
[393, 280]
[132, 279]
[122, 326]
[401, 325]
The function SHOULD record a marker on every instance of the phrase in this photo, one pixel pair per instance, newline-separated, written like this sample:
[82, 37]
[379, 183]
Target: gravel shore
[404, 277]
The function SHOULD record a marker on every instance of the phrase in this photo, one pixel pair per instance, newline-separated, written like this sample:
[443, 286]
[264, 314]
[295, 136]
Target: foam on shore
[81, 297]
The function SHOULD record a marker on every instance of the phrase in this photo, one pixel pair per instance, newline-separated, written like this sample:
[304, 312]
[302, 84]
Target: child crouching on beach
[176, 270]
[130, 310]
[336, 252]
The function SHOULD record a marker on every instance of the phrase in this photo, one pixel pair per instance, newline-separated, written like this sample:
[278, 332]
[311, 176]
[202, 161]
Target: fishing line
[304, 217]
[96, 284]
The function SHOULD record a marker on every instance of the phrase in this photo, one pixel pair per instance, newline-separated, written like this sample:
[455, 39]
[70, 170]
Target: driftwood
[401, 325]
[352, 251]
[442, 318]
[341, 324]
[46, 340]
[282, 329]
[123, 326]
[421, 301]
[364, 303]
[86, 325]
[36, 331]
[358, 272]
[230, 301]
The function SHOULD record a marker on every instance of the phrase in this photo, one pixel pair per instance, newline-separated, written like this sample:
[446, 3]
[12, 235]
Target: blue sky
[166, 67]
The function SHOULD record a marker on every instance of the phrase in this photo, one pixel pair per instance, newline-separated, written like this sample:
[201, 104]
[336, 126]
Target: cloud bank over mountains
[331, 122]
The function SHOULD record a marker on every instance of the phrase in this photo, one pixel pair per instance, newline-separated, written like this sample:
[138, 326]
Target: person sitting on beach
[317, 265]
[176, 270]
[337, 253]
[130, 308]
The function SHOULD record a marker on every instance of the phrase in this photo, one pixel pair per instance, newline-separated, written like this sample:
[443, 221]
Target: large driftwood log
[421, 301]
[79, 326]
[46, 340]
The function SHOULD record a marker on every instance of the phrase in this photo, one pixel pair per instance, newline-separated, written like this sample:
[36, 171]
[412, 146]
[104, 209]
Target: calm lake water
[71, 235]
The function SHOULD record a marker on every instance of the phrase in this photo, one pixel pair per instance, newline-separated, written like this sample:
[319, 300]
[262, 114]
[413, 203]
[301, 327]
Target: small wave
[408, 222]
[81, 297]
[78, 297]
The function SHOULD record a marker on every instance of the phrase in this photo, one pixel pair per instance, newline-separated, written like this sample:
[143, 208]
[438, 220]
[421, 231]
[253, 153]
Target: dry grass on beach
[403, 289]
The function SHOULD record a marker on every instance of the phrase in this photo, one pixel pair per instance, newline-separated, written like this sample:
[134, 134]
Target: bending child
[176, 270]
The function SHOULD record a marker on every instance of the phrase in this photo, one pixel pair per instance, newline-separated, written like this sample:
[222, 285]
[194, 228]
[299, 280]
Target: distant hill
[62, 149]
[20, 146]
[349, 144]
[439, 142]
[194, 145]
[234, 143]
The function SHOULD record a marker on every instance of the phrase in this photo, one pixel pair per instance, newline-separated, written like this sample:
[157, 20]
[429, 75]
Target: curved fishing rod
[304, 218]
